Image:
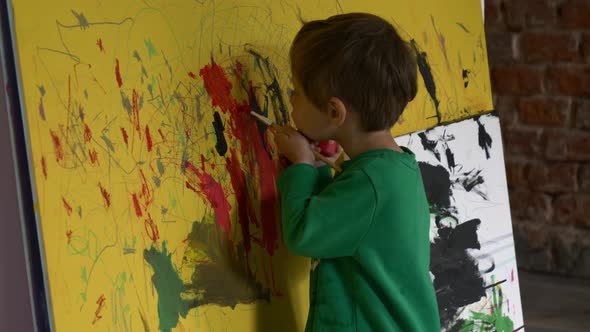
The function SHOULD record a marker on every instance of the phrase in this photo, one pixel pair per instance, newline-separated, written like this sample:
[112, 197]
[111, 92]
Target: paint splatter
[125, 136]
[426, 72]
[118, 73]
[457, 279]
[150, 47]
[41, 109]
[192, 75]
[151, 229]
[220, 144]
[93, 156]
[213, 192]
[161, 134]
[218, 87]
[429, 145]
[99, 44]
[82, 21]
[135, 106]
[148, 138]
[87, 133]
[100, 305]
[106, 196]
[59, 152]
[169, 287]
[484, 139]
[465, 73]
[69, 233]
[108, 143]
[67, 206]
[44, 167]
[136, 205]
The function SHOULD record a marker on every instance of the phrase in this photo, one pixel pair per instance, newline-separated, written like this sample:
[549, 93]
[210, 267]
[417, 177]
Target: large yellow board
[154, 193]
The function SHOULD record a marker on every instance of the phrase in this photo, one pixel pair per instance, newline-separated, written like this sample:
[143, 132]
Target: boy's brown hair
[359, 58]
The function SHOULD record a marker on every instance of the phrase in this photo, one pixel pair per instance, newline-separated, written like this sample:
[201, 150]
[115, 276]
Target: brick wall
[539, 53]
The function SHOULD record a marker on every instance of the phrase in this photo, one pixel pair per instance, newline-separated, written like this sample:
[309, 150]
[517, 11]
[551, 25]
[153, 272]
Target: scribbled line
[101, 303]
[82, 24]
[496, 284]
[484, 139]
[462, 26]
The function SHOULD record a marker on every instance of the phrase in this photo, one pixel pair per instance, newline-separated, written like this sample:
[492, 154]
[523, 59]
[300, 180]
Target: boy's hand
[333, 158]
[291, 144]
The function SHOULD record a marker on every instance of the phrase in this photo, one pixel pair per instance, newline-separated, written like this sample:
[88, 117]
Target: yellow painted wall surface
[154, 191]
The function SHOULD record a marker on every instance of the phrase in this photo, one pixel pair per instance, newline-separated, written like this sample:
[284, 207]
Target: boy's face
[309, 120]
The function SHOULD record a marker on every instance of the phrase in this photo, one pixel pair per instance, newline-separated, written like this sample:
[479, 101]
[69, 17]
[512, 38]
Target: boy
[366, 229]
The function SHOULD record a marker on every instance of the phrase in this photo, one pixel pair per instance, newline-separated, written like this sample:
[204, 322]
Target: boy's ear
[337, 111]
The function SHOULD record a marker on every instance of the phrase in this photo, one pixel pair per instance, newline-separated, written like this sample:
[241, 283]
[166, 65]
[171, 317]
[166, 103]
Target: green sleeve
[331, 223]
[325, 177]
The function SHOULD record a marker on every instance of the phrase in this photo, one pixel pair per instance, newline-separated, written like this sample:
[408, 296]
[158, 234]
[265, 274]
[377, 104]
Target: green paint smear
[150, 47]
[494, 321]
[169, 287]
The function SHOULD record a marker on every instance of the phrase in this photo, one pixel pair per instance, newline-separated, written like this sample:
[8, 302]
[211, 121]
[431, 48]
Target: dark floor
[555, 304]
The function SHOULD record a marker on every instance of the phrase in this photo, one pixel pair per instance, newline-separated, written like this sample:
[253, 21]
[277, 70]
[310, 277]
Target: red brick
[543, 111]
[530, 206]
[572, 209]
[549, 46]
[586, 46]
[575, 14]
[585, 178]
[567, 145]
[499, 45]
[518, 81]
[574, 81]
[523, 143]
[553, 177]
[515, 174]
[532, 13]
[506, 107]
[582, 117]
[492, 13]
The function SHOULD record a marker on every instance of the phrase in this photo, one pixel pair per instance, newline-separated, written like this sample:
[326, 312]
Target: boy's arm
[325, 177]
[331, 223]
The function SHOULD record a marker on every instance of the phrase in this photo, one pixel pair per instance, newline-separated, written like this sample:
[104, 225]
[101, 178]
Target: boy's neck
[356, 144]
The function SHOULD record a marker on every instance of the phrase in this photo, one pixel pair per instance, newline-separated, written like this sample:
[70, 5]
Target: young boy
[366, 229]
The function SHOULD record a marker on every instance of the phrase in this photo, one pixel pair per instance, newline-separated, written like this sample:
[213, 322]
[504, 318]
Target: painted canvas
[154, 190]
[473, 263]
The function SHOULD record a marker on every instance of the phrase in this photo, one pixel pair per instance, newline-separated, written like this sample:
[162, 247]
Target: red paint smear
[105, 195]
[93, 156]
[145, 190]
[189, 186]
[238, 182]
[44, 167]
[161, 134]
[214, 193]
[512, 275]
[67, 206]
[99, 43]
[59, 152]
[203, 161]
[136, 111]
[218, 87]
[87, 133]
[148, 138]
[192, 75]
[151, 229]
[136, 205]
[125, 136]
[118, 74]
[100, 302]
[246, 131]
[69, 235]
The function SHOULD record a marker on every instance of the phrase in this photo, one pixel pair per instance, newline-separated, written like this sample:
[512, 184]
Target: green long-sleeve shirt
[366, 231]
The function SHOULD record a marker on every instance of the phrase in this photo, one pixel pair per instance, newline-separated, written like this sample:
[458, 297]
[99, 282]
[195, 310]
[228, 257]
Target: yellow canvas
[155, 191]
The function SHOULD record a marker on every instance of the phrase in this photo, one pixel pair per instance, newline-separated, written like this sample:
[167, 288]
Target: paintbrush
[316, 154]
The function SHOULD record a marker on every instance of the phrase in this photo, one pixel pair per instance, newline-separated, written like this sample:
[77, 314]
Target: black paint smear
[457, 279]
[450, 158]
[274, 92]
[429, 145]
[471, 180]
[485, 140]
[437, 184]
[466, 77]
[221, 144]
[426, 72]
